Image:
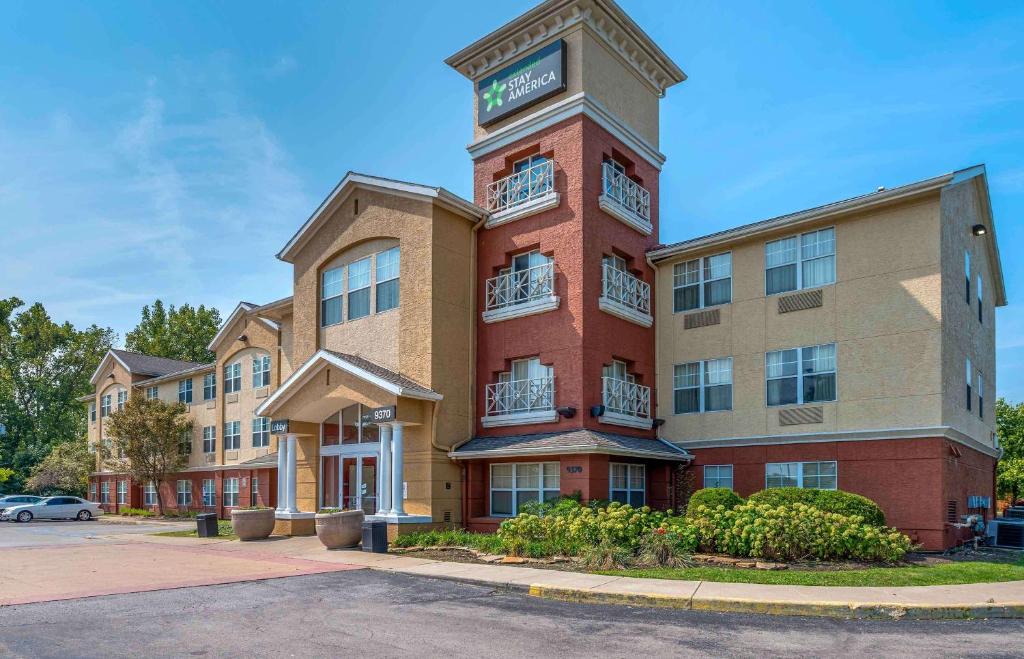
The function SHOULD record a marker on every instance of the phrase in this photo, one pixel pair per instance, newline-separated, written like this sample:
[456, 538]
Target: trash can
[206, 525]
[375, 536]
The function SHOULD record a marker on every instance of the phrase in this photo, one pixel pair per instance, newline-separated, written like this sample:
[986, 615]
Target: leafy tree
[177, 333]
[1010, 478]
[145, 440]
[1010, 429]
[44, 367]
[5, 474]
[65, 470]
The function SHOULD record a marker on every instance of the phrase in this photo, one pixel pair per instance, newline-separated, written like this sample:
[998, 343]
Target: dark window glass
[780, 279]
[782, 391]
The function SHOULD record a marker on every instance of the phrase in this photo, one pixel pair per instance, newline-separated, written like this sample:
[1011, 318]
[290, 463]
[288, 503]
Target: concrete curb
[860, 611]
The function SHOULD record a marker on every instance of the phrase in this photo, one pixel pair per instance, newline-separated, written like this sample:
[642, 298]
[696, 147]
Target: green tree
[175, 332]
[1010, 429]
[64, 471]
[146, 440]
[44, 367]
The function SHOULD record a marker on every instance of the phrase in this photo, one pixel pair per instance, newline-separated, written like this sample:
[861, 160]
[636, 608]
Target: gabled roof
[139, 364]
[354, 180]
[241, 310]
[573, 441]
[177, 375]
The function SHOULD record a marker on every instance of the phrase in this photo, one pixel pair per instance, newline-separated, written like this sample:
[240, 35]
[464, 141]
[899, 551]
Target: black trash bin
[206, 525]
[375, 536]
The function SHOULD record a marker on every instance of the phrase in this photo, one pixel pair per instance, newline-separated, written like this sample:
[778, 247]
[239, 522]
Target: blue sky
[170, 149]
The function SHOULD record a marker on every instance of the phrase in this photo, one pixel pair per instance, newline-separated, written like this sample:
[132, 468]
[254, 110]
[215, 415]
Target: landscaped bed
[224, 530]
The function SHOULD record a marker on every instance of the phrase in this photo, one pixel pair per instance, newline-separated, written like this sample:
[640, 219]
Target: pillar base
[294, 524]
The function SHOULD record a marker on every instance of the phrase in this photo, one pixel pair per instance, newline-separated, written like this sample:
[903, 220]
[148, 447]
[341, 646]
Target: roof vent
[881, 188]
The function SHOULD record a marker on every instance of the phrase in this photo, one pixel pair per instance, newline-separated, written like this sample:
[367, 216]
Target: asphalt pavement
[71, 532]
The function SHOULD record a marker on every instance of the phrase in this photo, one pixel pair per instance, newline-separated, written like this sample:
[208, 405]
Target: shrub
[450, 538]
[136, 512]
[712, 497]
[830, 501]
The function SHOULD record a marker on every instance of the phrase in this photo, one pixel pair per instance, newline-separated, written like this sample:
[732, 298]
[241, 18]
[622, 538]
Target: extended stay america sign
[521, 84]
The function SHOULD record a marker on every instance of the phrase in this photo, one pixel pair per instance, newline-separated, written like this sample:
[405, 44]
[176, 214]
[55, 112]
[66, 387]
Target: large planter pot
[342, 529]
[253, 524]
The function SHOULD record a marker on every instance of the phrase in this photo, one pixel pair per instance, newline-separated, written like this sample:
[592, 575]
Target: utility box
[206, 525]
[375, 536]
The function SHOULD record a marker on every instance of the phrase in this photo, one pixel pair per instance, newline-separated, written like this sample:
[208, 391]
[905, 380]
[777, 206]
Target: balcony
[625, 403]
[522, 194]
[520, 293]
[625, 200]
[520, 401]
[625, 296]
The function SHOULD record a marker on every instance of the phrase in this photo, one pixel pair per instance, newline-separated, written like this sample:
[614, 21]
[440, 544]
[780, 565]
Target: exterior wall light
[243, 338]
[567, 412]
[597, 410]
[657, 423]
[979, 230]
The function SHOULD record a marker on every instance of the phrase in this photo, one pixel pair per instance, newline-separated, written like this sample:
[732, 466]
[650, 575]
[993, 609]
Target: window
[105, 406]
[980, 305]
[704, 386]
[209, 493]
[529, 179]
[233, 378]
[185, 443]
[92, 491]
[359, 288]
[810, 475]
[515, 484]
[92, 411]
[185, 391]
[149, 494]
[967, 276]
[387, 279]
[122, 398]
[627, 484]
[260, 371]
[209, 439]
[152, 393]
[330, 297]
[232, 435]
[527, 387]
[970, 376]
[981, 398]
[801, 375]
[105, 492]
[798, 262]
[209, 386]
[261, 432]
[122, 492]
[254, 491]
[718, 476]
[702, 282]
[230, 492]
[184, 493]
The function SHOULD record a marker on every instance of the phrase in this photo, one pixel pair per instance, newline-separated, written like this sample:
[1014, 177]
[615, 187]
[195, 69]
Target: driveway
[48, 533]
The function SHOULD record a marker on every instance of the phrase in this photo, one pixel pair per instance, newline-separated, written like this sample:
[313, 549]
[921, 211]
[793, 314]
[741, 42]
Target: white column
[292, 507]
[397, 491]
[384, 469]
[282, 467]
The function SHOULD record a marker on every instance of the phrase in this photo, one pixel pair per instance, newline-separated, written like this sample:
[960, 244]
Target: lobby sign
[279, 427]
[380, 415]
[521, 84]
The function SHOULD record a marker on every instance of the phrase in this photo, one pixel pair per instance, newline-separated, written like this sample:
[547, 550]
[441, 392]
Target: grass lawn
[224, 530]
[933, 575]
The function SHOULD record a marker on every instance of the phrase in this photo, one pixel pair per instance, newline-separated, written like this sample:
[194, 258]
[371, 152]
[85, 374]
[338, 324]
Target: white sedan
[53, 508]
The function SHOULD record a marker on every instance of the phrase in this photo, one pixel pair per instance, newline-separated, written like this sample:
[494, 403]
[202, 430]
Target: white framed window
[254, 491]
[967, 276]
[185, 443]
[122, 398]
[105, 405]
[232, 435]
[185, 391]
[92, 491]
[627, 483]
[260, 371]
[230, 492]
[209, 439]
[387, 263]
[152, 393]
[810, 475]
[233, 378]
[359, 288]
[968, 379]
[105, 492]
[704, 282]
[331, 296]
[704, 386]
[209, 386]
[122, 492]
[149, 494]
[981, 297]
[718, 476]
[801, 375]
[261, 432]
[798, 262]
[515, 484]
[184, 493]
[981, 397]
[92, 411]
[209, 493]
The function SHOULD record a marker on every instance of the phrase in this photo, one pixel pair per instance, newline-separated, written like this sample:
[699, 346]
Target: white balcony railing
[521, 396]
[625, 199]
[626, 398]
[522, 187]
[622, 288]
[520, 287]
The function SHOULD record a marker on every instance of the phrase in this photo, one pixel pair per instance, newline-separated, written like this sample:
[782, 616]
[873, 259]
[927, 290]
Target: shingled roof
[139, 364]
[383, 373]
[573, 441]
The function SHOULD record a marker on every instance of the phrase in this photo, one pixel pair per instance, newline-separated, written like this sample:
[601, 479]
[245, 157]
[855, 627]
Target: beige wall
[883, 313]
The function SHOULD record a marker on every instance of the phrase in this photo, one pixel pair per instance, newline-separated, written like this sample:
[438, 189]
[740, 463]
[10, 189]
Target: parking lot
[48, 533]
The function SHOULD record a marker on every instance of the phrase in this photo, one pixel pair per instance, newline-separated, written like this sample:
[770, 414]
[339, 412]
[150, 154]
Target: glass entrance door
[350, 482]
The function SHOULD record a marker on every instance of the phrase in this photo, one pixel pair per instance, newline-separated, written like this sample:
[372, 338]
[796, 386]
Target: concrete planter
[343, 529]
[253, 524]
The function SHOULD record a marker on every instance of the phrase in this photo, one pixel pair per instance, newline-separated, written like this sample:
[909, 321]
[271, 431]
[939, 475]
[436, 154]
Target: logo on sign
[521, 84]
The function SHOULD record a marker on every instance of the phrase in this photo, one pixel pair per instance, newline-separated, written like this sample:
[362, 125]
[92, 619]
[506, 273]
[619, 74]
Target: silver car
[16, 499]
[52, 508]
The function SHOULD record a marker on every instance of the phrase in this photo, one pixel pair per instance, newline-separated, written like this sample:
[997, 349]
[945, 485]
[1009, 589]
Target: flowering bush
[712, 497]
[831, 501]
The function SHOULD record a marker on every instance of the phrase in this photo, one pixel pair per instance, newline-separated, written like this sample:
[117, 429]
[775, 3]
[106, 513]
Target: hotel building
[442, 361]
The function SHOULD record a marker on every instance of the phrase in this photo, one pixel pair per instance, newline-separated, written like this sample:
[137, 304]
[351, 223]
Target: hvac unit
[1015, 512]
[1007, 533]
